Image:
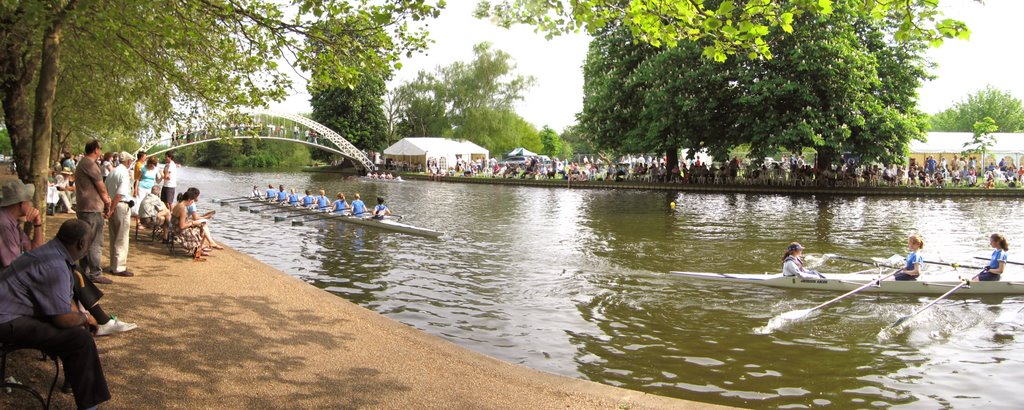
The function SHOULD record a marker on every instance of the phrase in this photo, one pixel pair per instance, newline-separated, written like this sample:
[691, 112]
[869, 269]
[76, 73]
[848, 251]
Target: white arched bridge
[278, 126]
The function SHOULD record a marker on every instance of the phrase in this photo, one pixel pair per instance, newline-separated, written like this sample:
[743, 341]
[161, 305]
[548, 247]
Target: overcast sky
[992, 56]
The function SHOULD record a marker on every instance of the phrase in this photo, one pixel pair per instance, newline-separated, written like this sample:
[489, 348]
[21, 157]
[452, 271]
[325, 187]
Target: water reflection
[576, 282]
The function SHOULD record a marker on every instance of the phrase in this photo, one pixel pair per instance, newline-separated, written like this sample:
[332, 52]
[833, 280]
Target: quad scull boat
[933, 284]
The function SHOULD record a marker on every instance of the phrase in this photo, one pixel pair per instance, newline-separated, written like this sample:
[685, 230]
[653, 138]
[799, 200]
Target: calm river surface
[576, 282]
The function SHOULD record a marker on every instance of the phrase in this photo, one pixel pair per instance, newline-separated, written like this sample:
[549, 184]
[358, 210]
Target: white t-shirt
[172, 180]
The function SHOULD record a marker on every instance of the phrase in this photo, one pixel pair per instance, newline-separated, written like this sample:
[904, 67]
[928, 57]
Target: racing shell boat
[929, 284]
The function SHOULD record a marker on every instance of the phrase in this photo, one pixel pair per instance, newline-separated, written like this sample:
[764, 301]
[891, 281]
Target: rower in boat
[997, 265]
[293, 198]
[793, 266]
[271, 192]
[914, 260]
[340, 205]
[282, 195]
[308, 200]
[322, 202]
[381, 210]
[256, 192]
[358, 207]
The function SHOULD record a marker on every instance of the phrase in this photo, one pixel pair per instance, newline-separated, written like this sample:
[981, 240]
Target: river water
[577, 282]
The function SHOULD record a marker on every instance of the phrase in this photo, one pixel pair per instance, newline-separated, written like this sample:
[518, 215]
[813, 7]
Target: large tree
[1001, 106]
[355, 113]
[193, 56]
[471, 100]
[724, 27]
[836, 84]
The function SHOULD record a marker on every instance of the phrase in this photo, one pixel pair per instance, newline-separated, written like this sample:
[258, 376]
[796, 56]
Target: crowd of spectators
[49, 299]
[788, 171]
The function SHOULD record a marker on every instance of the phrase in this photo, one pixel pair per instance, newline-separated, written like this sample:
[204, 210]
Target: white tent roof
[433, 146]
[953, 142]
[522, 151]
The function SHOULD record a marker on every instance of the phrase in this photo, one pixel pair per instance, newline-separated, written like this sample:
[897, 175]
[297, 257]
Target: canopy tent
[417, 151]
[1008, 146]
[521, 152]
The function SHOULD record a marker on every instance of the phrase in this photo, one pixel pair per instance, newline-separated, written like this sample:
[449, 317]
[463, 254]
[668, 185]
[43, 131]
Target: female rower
[308, 200]
[793, 266]
[282, 195]
[340, 205]
[914, 259]
[358, 207]
[271, 192]
[381, 210]
[997, 265]
[322, 202]
[293, 198]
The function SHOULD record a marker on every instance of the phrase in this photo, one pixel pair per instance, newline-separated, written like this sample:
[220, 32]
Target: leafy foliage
[724, 27]
[468, 100]
[245, 153]
[838, 84]
[983, 139]
[356, 113]
[1001, 106]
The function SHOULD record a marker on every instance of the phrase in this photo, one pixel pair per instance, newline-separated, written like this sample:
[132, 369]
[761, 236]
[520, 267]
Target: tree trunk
[42, 125]
[672, 157]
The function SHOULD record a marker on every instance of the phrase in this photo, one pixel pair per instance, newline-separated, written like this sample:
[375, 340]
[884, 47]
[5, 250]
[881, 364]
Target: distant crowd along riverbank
[734, 187]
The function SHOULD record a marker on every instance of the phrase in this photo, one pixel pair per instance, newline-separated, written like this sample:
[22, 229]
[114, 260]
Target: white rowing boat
[388, 225]
[936, 284]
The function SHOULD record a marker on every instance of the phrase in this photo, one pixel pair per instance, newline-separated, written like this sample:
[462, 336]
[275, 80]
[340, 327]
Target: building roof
[433, 147]
[953, 142]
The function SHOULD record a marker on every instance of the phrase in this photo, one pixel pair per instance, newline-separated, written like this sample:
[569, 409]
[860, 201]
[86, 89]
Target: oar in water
[229, 200]
[1007, 316]
[802, 313]
[1007, 262]
[964, 283]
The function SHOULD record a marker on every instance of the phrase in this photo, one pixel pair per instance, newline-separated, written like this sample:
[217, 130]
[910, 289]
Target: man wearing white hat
[119, 185]
[16, 204]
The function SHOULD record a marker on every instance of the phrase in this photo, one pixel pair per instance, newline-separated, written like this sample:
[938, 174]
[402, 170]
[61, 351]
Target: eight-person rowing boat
[319, 207]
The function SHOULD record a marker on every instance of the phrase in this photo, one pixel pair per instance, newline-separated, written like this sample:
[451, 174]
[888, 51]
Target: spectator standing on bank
[119, 184]
[170, 180]
[16, 204]
[93, 201]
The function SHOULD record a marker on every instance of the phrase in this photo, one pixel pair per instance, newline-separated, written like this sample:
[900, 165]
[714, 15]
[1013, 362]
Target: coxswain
[793, 266]
[256, 191]
[997, 265]
[358, 207]
[914, 260]
[340, 205]
[381, 210]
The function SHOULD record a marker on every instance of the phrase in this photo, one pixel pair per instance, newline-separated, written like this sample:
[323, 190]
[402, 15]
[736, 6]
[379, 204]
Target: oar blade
[899, 322]
[1008, 316]
[796, 314]
[279, 218]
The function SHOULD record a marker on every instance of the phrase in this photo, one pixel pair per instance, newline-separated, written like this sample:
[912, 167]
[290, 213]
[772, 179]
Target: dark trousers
[74, 346]
[90, 263]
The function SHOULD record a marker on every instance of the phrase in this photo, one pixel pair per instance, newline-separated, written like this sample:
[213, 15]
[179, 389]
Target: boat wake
[782, 320]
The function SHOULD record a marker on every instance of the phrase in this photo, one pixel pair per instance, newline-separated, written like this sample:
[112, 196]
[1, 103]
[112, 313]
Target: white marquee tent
[1007, 146]
[417, 151]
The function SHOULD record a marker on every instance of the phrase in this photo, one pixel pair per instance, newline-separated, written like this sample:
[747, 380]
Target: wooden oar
[802, 313]
[1007, 262]
[964, 283]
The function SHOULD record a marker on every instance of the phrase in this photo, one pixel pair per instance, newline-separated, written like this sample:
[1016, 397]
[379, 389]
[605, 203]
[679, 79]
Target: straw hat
[126, 157]
[16, 192]
[66, 170]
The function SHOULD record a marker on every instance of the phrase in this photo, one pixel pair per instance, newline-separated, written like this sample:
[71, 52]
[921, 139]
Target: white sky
[992, 56]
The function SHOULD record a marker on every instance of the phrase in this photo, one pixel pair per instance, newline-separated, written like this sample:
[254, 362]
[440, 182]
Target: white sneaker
[114, 326]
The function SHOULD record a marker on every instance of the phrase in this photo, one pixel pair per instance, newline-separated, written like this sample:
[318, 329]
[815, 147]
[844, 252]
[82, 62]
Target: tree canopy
[1001, 106]
[471, 100]
[837, 84]
[724, 27]
[356, 113]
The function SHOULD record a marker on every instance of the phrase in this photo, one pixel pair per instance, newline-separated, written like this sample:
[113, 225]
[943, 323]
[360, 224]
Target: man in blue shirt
[36, 311]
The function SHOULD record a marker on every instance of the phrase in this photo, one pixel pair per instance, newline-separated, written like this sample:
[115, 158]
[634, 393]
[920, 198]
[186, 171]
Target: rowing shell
[933, 285]
[373, 223]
